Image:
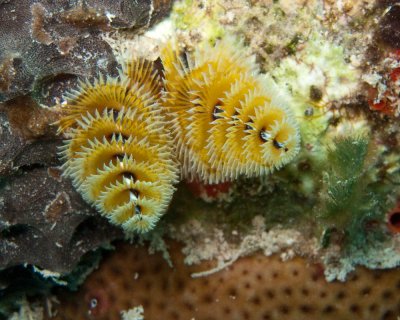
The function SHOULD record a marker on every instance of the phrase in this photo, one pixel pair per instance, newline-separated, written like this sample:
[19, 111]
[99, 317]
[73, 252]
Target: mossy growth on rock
[353, 202]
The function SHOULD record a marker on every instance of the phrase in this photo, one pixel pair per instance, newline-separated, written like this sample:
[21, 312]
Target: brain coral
[226, 118]
[255, 287]
[119, 153]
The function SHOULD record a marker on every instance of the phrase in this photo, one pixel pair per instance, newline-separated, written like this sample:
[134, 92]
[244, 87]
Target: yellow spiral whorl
[119, 153]
[226, 118]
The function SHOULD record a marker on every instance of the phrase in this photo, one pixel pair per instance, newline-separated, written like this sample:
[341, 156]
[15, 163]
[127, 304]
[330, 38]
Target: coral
[226, 248]
[375, 255]
[322, 72]
[226, 120]
[119, 153]
[264, 25]
[27, 135]
[357, 231]
[334, 204]
[255, 287]
[316, 75]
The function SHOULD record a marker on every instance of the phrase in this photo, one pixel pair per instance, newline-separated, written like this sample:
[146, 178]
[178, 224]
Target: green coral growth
[353, 202]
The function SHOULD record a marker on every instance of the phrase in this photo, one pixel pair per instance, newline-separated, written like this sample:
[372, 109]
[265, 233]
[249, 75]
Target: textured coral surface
[255, 287]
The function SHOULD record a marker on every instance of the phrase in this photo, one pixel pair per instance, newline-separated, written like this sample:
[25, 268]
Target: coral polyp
[227, 119]
[119, 154]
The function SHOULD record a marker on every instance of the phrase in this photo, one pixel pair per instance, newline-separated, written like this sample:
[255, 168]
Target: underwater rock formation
[389, 31]
[39, 223]
[336, 203]
[255, 287]
[45, 46]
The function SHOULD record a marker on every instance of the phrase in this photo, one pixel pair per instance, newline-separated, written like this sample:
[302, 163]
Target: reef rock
[45, 48]
[46, 45]
[43, 220]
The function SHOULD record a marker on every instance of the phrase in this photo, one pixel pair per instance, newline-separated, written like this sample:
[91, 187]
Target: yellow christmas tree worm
[119, 153]
[226, 119]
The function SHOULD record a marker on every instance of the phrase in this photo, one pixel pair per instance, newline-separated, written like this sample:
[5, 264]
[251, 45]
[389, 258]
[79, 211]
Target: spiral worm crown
[119, 154]
[226, 118]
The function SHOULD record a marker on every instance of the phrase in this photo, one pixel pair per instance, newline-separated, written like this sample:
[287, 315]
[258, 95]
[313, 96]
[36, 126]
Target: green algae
[353, 201]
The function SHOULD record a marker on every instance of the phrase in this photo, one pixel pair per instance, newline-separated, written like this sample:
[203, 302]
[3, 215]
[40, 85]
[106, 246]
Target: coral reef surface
[260, 247]
[255, 287]
[46, 46]
[43, 221]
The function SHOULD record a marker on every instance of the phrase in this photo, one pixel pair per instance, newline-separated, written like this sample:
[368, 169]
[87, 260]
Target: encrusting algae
[119, 153]
[227, 119]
